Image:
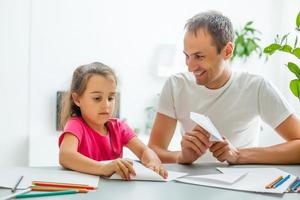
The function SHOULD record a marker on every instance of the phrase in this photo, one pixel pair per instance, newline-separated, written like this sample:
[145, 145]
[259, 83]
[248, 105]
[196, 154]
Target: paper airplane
[205, 123]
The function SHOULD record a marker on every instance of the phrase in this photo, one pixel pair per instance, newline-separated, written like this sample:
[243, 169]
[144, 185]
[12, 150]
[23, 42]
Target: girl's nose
[105, 103]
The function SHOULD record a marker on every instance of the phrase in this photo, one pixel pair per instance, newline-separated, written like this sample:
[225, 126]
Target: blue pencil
[290, 188]
[281, 181]
[296, 185]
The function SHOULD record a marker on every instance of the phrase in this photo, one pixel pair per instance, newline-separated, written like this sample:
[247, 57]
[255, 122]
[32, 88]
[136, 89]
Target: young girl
[90, 134]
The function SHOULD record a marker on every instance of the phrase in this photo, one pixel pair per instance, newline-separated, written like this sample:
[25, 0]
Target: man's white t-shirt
[235, 109]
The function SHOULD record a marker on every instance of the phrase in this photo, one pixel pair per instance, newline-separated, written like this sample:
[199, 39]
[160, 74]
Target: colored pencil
[66, 185]
[270, 185]
[292, 185]
[15, 194]
[281, 181]
[17, 184]
[19, 196]
[296, 185]
[38, 188]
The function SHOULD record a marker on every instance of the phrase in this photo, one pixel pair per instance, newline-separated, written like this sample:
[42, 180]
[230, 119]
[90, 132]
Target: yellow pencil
[270, 185]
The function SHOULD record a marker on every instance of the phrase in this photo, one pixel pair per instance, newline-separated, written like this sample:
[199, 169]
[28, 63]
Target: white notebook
[245, 179]
[10, 175]
[145, 174]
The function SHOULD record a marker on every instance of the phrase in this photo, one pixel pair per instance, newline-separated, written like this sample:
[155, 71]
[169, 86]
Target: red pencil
[66, 185]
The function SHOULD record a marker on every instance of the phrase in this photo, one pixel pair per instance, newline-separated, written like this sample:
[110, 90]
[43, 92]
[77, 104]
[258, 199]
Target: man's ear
[75, 98]
[228, 50]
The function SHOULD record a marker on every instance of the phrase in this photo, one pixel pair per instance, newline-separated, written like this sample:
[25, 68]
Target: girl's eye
[97, 98]
[111, 98]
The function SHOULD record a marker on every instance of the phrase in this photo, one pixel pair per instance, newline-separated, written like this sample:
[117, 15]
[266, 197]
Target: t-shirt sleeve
[74, 127]
[127, 132]
[166, 100]
[273, 107]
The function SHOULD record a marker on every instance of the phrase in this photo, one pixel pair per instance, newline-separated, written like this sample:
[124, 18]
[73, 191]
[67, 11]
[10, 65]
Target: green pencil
[46, 194]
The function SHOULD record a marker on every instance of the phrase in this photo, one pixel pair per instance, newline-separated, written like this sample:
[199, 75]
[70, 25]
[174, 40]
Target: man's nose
[191, 63]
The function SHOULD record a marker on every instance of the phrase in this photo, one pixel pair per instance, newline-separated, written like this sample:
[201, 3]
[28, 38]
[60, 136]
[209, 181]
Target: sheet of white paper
[205, 122]
[10, 175]
[226, 178]
[254, 181]
[146, 174]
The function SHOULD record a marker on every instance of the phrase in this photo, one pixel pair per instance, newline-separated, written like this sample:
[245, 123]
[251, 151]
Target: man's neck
[222, 80]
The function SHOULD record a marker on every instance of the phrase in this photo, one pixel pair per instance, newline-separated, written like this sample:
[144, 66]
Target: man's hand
[193, 145]
[224, 151]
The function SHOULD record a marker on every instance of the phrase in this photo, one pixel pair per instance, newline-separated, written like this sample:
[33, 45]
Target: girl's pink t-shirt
[95, 146]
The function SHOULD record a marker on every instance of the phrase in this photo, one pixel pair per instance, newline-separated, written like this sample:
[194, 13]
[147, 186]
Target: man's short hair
[218, 26]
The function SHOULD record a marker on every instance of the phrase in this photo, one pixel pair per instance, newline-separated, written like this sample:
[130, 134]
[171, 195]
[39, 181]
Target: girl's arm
[147, 156]
[71, 159]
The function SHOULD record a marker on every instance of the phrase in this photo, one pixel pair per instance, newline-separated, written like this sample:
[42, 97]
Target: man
[234, 101]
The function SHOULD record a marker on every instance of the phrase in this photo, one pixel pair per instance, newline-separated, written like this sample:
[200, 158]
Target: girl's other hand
[122, 167]
[158, 168]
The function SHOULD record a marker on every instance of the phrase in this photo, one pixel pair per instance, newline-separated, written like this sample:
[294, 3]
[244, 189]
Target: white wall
[14, 76]
[127, 35]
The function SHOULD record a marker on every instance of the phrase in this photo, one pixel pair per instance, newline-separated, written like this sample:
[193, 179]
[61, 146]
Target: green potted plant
[246, 42]
[282, 45]
[150, 112]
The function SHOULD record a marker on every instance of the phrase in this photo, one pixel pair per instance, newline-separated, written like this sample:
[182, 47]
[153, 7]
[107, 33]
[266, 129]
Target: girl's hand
[156, 166]
[122, 167]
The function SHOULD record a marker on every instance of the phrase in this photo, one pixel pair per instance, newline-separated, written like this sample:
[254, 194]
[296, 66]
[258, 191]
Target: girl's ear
[76, 99]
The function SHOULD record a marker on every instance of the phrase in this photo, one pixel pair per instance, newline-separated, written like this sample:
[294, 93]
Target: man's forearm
[285, 153]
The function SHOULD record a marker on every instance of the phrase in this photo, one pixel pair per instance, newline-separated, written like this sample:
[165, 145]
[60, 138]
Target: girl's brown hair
[79, 81]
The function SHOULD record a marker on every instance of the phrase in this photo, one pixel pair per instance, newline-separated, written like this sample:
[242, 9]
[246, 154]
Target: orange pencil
[65, 185]
[270, 185]
[37, 188]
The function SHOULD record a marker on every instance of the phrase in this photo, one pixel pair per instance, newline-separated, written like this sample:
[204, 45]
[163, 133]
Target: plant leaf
[296, 41]
[251, 45]
[249, 29]
[286, 48]
[298, 21]
[239, 49]
[294, 68]
[245, 42]
[295, 87]
[249, 23]
[296, 52]
[272, 48]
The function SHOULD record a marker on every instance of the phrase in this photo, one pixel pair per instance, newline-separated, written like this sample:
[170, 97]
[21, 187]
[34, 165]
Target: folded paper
[205, 123]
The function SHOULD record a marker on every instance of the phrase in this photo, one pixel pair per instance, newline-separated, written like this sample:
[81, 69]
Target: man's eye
[199, 57]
